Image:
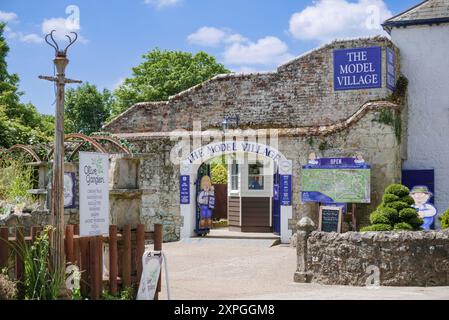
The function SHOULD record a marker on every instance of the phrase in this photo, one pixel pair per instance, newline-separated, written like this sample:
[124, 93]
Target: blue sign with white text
[391, 69]
[359, 68]
[286, 190]
[184, 189]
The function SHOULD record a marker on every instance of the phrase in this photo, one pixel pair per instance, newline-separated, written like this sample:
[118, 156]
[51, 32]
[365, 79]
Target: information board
[184, 189]
[94, 194]
[330, 219]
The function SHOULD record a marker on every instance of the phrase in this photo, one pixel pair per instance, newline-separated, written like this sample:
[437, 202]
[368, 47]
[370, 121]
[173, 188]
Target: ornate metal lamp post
[57, 183]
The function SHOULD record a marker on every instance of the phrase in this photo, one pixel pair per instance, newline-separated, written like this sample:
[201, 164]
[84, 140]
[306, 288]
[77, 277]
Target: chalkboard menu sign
[330, 219]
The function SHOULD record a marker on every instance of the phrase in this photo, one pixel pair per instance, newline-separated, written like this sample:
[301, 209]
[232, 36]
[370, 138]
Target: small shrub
[403, 226]
[397, 205]
[398, 190]
[388, 198]
[379, 218]
[377, 227]
[444, 219]
[390, 213]
[8, 289]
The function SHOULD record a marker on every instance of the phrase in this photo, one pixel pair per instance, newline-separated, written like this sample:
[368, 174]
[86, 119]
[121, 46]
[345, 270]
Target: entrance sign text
[359, 68]
[94, 194]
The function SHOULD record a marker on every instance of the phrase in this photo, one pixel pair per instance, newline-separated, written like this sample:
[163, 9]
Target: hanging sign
[151, 270]
[184, 189]
[359, 68]
[94, 194]
[391, 70]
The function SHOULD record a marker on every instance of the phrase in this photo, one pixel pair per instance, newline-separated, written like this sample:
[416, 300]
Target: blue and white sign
[359, 68]
[184, 189]
[391, 69]
[286, 190]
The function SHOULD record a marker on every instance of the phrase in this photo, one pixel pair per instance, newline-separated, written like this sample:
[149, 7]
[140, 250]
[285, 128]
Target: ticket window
[257, 179]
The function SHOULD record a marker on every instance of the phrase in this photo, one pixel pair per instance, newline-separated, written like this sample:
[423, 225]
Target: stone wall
[403, 258]
[298, 93]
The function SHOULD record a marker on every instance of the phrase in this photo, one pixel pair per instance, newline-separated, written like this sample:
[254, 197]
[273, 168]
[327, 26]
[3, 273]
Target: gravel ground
[224, 269]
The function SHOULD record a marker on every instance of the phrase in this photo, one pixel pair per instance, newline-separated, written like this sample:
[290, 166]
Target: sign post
[94, 194]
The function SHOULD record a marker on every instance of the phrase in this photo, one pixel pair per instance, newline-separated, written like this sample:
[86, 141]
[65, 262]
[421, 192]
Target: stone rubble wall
[403, 258]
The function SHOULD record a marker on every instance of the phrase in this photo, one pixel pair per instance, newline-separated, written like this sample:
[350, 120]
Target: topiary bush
[395, 212]
[444, 219]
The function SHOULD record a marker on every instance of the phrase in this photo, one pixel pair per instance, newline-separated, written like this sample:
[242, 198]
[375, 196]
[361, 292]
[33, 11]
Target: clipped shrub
[377, 227]
[395, 212]
[391, 213]
[379, 218]
[403, 226]
[219, 174]
[408, 200]
[398, 190]
[444, 219]
[397, 205]
[407, 214]
[388, 198]
[8, 290]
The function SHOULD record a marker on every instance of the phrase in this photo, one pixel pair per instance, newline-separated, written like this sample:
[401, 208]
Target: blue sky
[245, 35]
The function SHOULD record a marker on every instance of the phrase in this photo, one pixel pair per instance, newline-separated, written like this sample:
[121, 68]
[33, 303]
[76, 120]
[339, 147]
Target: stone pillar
[305, 227]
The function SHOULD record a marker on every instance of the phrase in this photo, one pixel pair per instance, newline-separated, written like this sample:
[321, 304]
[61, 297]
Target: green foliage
[42, 280]
[126, 294]
[398, 190]
[444, 219]
[403, 226]
[16, 178]
[86, 109]
[219, 174]
[19, 123]
[162, 74]
[8, 289]
[377, 227]
[388, 198]
[395, 212]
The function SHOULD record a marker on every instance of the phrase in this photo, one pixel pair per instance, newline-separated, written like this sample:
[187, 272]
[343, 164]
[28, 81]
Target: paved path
[222, 269]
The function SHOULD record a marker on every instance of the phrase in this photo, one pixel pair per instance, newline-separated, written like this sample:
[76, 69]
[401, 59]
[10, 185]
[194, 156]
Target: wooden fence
[126, 248]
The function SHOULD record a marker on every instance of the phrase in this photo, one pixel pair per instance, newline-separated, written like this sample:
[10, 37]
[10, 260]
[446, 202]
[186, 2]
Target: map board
[333, 184]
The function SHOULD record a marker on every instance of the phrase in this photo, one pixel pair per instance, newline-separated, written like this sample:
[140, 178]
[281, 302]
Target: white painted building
[422, 35]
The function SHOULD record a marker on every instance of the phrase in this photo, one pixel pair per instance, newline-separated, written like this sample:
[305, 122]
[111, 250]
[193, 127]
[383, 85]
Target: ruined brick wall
[300, 93]
[403, 258]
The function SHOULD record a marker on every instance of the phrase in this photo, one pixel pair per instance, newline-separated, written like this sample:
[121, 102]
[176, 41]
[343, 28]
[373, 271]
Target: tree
[163, 74]
[86, 109]
[395, 212]
[19, 122]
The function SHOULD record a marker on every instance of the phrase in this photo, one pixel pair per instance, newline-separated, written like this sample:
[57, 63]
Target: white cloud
[24, 37]
[7, 16]
[266, 51]
[162, 3]
[212, 37]
[63, 27]
[329, 19]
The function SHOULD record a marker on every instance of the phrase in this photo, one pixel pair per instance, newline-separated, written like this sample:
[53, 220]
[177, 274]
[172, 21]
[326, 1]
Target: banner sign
[94, 194]
[336, 180]
[286, 190]
[184, 189]
[359, 68]
[150, 275]
[69, 190]
[391, 69]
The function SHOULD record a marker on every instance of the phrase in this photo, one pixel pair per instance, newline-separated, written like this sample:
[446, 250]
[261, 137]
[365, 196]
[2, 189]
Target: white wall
[424, 54]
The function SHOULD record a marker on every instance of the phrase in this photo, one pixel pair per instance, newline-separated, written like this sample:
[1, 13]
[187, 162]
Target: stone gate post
[305, 227]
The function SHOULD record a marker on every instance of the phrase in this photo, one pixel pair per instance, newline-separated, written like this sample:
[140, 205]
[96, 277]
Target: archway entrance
[253, 186]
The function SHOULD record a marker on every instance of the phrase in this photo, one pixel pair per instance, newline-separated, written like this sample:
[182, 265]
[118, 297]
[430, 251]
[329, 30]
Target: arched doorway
[189, 174]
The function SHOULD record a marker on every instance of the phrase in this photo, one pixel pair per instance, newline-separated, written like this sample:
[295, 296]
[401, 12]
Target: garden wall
[403, 258]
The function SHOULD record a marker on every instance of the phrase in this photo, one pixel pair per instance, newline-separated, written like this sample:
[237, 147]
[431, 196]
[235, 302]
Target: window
[255, 176]
[235, 176]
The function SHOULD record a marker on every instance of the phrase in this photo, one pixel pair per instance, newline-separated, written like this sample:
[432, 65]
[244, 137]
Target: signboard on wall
[286, 190]
[94, 194]
[330, 219]
[358, 68]
[184, 189]
[336, 180]
[391, 69]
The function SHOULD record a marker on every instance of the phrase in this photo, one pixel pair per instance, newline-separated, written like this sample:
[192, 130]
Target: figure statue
[426, 211]
[206, 201]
